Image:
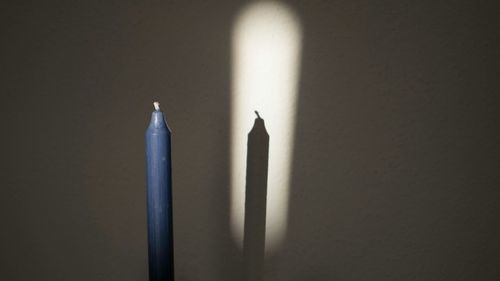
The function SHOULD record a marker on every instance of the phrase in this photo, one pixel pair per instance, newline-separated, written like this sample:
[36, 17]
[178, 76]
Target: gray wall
[396, 148]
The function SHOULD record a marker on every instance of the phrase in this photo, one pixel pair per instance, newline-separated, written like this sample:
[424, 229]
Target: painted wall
[396, 157]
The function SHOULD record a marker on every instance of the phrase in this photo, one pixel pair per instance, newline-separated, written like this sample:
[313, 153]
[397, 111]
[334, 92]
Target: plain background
[396, 158]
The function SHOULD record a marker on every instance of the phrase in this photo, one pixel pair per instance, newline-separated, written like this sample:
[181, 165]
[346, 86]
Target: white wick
[156, 105]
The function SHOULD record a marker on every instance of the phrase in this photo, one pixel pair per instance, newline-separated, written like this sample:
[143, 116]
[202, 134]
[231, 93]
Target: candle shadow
[255, 201]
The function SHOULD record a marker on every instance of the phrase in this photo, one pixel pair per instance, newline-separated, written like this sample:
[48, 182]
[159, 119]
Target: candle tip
[156, 105]
[256, 112]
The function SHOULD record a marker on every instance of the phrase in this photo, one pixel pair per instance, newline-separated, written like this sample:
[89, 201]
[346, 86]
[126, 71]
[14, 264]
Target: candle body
[256, 201]
[159, 199]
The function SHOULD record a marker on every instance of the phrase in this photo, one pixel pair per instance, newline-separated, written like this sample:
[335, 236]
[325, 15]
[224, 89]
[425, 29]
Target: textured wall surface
[396, 158]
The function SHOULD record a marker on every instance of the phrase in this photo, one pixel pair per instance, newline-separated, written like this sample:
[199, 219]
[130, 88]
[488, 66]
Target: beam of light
[266, 47]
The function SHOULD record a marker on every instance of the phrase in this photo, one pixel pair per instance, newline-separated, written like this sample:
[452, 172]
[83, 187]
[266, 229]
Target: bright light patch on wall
[266, 51]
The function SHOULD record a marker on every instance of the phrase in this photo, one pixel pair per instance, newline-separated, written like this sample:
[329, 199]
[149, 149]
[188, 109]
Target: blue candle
[159, 198]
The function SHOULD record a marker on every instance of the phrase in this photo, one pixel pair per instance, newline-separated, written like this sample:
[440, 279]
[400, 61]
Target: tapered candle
[159, 198]
[256, 200]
